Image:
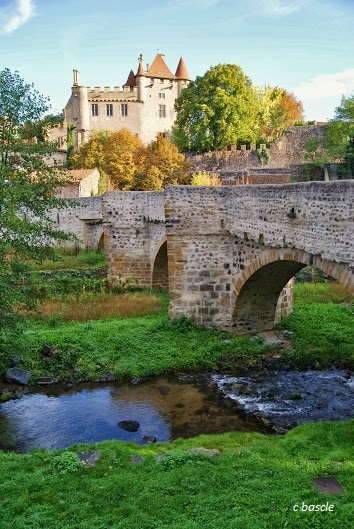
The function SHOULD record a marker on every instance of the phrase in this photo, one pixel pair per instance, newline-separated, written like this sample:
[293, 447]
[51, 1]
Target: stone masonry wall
[219, 237]
[83, 219]
[286, 153]
[134, 230]
[230, 251]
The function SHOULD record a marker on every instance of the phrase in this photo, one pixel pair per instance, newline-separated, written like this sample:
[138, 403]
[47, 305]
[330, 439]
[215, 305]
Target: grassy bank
[129, 334]
[134, 346]
[255, 482]
[71, 258]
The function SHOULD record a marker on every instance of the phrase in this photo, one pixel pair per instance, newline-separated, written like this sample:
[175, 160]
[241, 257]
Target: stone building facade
[80, 183]
[144, 104]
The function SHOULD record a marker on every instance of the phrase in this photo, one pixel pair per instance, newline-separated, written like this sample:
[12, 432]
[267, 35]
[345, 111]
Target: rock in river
[18, 376]
[129, 426]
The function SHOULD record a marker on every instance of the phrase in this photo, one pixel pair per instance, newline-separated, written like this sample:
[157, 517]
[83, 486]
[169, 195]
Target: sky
[303, 46]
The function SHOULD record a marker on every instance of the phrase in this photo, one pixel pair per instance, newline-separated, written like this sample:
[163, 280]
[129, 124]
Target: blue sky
[304, 46]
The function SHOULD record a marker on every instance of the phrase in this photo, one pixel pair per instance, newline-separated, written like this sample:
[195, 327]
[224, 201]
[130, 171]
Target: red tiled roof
[131, 81]
[182, 72]
[159, 68]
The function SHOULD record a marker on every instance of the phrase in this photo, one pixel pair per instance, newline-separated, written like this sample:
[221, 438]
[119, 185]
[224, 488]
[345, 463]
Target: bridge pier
[134, 232]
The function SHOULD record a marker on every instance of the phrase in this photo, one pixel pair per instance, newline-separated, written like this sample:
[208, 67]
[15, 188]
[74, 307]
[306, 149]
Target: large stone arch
[256, 291]
[160, 266]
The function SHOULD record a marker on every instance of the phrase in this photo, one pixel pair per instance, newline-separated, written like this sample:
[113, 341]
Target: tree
[27, 231]
[113, 153]
[341, 130]
[337, 146]
[128, 164]
[278, 109]
[217, 109]
[161, 164]
[203, 178]
[41, 128]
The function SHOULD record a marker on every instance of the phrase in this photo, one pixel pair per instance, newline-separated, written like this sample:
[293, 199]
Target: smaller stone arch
[160, 267]
[257, 290]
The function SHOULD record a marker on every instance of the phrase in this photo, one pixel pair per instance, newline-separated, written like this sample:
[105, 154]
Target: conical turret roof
[182, 72]
[159, 68]
[131, 81]
[141, 67]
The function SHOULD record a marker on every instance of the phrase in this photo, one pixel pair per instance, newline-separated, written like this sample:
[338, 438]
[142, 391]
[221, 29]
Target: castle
[144, 105]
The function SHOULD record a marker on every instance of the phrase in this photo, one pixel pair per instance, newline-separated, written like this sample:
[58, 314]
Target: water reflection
[166, 409]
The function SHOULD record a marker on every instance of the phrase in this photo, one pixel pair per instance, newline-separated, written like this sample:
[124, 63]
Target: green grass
[254, 483]
[321, 293]
[72, 259]
[135, 346]
[323, 329]
[130, 346]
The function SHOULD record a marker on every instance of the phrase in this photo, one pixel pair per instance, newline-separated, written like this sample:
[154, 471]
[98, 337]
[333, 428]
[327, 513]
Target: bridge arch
[256, 291]
[160, 266]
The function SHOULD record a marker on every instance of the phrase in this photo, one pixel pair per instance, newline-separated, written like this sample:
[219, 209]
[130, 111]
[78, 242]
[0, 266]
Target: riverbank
[319, 334]
[233, 480]
[251, 480]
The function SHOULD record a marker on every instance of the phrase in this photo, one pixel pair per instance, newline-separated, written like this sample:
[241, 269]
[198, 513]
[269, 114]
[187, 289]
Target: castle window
[94, 109]
[162, 95]
[162, 80]
[109, 109]
[162, 111]
[124, 110]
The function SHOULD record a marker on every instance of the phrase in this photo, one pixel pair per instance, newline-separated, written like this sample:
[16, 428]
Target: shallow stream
[168, 408]
[53, 418]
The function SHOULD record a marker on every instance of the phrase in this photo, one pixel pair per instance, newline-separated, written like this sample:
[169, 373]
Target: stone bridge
[228, 254]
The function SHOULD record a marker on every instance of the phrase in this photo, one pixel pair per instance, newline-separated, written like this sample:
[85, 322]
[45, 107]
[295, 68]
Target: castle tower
[140, 79]
[80, 110]
[144, 105]
[182, 76]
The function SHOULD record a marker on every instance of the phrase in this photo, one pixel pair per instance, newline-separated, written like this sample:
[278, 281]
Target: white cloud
[327, 85]
[15, 15]
[281, 7]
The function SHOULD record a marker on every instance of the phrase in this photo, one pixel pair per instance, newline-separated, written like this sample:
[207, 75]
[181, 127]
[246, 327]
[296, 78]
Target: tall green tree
[27, 196]
[337, 146]
[342, 131]
[217, 109]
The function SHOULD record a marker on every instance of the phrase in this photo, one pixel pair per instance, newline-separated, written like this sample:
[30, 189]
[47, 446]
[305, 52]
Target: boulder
[18, 376]
[149, 439]
[129, 426]
[109, 377]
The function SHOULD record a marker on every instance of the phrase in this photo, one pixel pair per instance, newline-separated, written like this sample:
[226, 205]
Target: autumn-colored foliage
[278, 109]
[127, 164]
